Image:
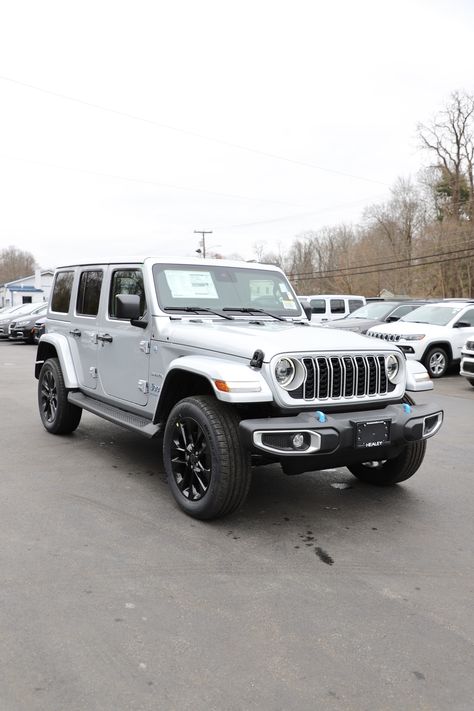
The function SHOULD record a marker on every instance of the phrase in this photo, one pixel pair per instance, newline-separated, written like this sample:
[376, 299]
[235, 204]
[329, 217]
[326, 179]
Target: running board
[136, 423]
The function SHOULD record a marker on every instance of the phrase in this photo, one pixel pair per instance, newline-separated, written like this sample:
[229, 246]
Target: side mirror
[128, 307]
[461, 324]
[307, 309]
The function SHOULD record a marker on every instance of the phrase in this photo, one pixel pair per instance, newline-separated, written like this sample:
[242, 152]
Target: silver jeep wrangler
[218, 360]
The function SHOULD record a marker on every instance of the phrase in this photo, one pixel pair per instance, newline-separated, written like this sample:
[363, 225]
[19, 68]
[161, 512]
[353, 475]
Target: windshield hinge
[145, 346]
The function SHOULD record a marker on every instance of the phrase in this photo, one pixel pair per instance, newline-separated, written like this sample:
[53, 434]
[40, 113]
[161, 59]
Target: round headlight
[284, 372]
[392, 367]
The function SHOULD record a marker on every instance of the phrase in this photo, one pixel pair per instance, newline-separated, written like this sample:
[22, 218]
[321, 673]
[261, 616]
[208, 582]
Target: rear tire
[207, 467]
[391, 471]
[57, 414]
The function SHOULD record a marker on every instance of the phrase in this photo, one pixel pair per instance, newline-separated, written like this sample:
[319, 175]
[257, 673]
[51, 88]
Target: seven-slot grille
[334, 377]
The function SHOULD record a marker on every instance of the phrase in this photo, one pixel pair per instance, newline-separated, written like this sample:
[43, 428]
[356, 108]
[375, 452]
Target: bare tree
[449, 139]
[15, 263]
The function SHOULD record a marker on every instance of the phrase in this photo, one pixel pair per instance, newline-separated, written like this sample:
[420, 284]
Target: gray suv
[217, 360]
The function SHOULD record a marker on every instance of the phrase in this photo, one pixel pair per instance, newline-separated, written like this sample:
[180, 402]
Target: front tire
[208, 470]
[391, 471]
[57, 414]
[471, 380]
[436, 362]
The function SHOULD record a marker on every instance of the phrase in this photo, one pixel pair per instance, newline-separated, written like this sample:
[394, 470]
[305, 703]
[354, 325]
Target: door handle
[105, 337]
[76, 333]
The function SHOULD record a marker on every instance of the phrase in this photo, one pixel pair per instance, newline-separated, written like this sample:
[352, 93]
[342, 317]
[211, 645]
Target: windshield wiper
[244, 310]
[197, 310]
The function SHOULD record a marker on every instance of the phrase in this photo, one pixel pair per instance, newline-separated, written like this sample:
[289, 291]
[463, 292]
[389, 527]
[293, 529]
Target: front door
[123, 351]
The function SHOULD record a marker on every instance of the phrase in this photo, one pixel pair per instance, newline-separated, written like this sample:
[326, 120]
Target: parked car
[433, 334]
[189, 352]
[374, 313]
[14, 313]
[328, 307]
[467, 361]
[22, 327]
[39, 328]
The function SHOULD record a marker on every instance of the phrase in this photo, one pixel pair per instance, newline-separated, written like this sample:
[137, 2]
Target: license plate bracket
[375, 433]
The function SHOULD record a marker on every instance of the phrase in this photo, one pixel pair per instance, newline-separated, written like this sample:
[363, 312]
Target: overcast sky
[125, 126]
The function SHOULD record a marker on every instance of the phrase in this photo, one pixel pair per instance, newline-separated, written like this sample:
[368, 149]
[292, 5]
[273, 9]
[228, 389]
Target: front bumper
[467, 364]
[339, 439]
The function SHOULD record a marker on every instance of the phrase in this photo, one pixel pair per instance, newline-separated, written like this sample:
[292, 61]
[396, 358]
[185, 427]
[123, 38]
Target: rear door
[83, 326]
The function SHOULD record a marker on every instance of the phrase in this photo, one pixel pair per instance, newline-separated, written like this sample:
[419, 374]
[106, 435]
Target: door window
[62, 292]
[88, 295]
[468, 317]
[126, 281]
[318, 306]
[337, 306]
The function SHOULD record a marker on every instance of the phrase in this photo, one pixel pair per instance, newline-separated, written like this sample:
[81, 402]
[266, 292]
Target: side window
[88, 294]
[337, 306]
[126, 281]
[318, 306]
[62, 290]
[468, 317]
[355, 304]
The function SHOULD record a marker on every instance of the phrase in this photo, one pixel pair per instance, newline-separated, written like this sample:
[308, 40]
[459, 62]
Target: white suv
[217, 361]
[433, 334]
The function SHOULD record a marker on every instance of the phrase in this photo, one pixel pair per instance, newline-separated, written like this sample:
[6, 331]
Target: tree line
[420, 242]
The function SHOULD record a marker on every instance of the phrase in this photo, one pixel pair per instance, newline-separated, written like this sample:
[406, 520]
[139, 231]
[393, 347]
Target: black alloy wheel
[57, 414]
[190, 459]
[207, 466]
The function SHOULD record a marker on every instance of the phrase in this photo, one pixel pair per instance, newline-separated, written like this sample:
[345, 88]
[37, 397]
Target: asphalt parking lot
[321, 593]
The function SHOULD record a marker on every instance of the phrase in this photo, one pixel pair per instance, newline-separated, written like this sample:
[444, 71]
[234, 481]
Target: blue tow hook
[320, 416]
[406, 408]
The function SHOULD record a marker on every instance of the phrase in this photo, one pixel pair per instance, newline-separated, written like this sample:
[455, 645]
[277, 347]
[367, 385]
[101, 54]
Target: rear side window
[88, 295]
[355, 304]
[337, 306]
[126, 281]
[62, 290]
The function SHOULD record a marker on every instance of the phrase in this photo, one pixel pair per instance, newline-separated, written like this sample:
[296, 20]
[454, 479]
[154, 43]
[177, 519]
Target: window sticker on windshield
[284, 288]
[190, 285]
[290, 305]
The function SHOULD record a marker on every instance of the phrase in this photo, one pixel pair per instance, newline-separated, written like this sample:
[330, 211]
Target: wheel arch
[180, 383]
[445, 345]
[55, 345]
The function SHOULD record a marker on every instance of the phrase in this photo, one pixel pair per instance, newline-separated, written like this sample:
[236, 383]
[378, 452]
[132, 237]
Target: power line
[388, 269]
[141, 181]
[347, 270]
[188, 132]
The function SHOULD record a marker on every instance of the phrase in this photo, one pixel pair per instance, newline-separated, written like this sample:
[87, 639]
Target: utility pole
[203, 233]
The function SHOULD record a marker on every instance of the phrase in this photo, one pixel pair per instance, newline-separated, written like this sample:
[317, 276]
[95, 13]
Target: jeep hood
[241, 338]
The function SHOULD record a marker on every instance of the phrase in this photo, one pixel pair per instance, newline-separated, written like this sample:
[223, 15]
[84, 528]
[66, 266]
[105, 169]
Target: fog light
[298, 441]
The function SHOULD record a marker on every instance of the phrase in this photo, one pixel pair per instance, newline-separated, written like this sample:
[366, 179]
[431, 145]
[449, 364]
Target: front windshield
[376, 309]
[437, 315]
[218, 288]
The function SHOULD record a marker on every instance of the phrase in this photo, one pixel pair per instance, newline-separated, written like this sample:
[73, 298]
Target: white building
[29, 290]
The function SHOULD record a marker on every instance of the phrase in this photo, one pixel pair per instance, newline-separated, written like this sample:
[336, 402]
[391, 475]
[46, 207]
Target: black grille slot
[372, 367]
[310, 384]
[336, 377]
[383, 376]
[468, 367]
[360, 363]
[323, 380]
[349, 370]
